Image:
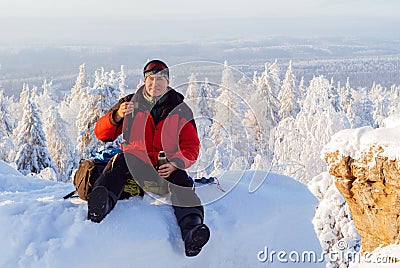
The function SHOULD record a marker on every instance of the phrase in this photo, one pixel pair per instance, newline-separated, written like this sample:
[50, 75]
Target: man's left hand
[166, 169]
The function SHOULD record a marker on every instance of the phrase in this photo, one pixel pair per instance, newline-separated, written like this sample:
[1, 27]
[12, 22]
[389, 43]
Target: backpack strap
[70, 194]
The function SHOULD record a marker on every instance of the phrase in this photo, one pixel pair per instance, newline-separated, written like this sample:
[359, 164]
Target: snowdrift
[40, 229]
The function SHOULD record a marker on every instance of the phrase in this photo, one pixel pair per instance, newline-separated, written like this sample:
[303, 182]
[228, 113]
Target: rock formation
[370, 183]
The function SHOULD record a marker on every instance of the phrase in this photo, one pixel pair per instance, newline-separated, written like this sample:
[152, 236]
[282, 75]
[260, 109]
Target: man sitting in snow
[154, 119]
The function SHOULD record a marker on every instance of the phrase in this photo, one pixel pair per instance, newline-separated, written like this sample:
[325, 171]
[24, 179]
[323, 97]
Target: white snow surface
[41, 229]
[388, 256]
[353, 142]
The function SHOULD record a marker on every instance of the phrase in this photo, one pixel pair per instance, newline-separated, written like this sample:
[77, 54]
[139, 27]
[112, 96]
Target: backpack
[89, 170]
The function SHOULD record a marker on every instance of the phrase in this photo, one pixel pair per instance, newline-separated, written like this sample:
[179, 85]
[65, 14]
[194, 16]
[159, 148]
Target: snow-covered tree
[32, 155]
[273, 78]
[394, 100]
[191, 91]
[262, 119]
[47, 97]
[198, 100]
[273, 83]
[59, 144]
[24, 95]
[360, 110]
[204, 107]
[302, 89]
[69, 107]
[122, 86]
[6, 123]
[48, 90]
[197, 97]
[333, 96]
[298, 142]
[333, 221]
[80, 83]
[380, 98]
[345, 96]
[86, 120]
[227, 130]
[289, 96]
[6, 128]
[267, 92]
[18, 106]
[95, 102]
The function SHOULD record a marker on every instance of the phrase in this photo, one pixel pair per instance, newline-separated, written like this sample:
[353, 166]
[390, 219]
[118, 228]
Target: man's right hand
[126, 107]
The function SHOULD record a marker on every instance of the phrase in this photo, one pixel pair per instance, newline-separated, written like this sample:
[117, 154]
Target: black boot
[99, 204]
[195, 234]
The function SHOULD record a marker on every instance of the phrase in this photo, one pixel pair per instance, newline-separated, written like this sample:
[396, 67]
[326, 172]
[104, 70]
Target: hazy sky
[52, 21]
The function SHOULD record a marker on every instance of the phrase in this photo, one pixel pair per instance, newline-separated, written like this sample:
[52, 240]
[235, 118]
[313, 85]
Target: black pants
[184, 199]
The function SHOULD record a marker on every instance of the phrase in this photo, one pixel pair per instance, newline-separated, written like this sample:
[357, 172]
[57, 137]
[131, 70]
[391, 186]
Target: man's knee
[181, 178]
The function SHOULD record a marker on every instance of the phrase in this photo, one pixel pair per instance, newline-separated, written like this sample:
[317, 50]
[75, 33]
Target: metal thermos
[162, 159]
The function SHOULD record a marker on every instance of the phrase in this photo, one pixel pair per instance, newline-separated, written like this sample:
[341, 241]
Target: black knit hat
[156, 67]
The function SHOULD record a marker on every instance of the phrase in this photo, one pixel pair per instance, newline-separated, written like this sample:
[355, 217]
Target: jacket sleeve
[189, 145]
[106, 128]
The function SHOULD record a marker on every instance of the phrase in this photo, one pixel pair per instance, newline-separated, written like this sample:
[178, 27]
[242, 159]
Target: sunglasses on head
[154, 67]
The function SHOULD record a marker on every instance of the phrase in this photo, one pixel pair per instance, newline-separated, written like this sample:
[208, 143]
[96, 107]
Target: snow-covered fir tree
[191, 91]
[265, 117]
[95, 102]
[345, 96]
[289, 96]
[273, 83]
[18, 106]
[6, 128]
[227, 131]
[298, 142]
[6, 122]
[122, 86]
[333, 96]
[205, 110]
[80, 83]
[59, 144]
[32, 155]
[360, 110]
[198, 98]
[302, 89]
[380, 98]
[268, 94]
[394, 107]
[47, 98]
[69, 107]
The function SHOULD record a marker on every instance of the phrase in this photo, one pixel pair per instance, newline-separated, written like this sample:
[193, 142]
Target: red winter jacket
[173, 130]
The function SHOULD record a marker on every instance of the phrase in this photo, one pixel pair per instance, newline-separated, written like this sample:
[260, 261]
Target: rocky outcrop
[370, 183]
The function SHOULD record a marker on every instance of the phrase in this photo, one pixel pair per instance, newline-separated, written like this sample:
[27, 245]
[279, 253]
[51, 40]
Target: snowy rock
[367, 170]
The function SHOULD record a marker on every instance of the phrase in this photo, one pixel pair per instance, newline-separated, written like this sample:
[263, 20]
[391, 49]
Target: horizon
[125, 22]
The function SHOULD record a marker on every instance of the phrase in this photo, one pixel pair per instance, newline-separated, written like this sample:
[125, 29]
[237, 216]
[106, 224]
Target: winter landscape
[298, 114]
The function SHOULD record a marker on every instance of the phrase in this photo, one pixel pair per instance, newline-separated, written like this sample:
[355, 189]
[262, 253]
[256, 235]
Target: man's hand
[166, 169]
[126, 107]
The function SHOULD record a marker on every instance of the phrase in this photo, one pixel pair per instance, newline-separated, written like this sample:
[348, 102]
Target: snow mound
[7, 169]
[40, 229]
[392, 121]
[353, 142]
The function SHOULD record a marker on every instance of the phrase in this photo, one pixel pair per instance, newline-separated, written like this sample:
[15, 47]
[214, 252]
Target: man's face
[156, 85]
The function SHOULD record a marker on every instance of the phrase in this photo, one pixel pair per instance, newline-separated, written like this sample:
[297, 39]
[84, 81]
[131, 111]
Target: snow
[40, 229]
[388, 256]
[353, 142]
